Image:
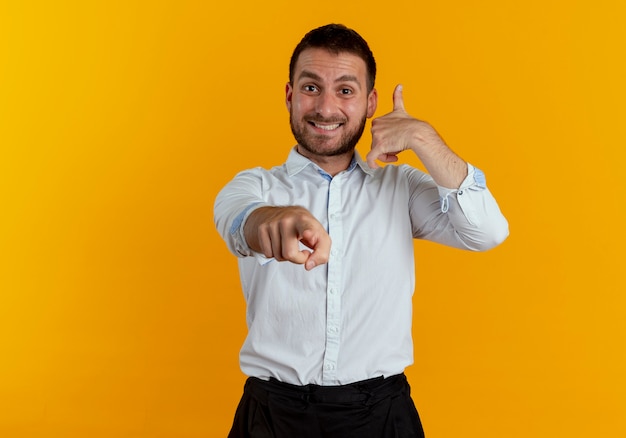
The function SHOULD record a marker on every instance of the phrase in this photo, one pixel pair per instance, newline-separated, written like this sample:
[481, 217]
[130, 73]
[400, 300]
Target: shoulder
[261, 172]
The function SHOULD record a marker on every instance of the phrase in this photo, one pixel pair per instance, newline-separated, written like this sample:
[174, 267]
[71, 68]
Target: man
[326, 254]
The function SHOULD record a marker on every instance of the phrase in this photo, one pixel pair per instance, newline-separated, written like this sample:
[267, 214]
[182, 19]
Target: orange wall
[120, 309]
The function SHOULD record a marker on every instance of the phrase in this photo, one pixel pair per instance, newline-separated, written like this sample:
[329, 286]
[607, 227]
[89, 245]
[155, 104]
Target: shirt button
[460, 192]
[333, 291]
[329, 366]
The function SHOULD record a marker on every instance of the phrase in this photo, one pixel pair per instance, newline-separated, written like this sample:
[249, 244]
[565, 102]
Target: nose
[326, 104]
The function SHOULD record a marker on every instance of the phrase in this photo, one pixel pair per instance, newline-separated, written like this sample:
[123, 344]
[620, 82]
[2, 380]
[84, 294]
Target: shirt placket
[333, 290]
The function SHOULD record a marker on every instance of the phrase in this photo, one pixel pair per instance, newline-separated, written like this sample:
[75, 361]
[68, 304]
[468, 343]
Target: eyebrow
[316, 77]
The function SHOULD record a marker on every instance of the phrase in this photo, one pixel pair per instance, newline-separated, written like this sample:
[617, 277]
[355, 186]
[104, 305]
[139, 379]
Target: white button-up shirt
[350, 319]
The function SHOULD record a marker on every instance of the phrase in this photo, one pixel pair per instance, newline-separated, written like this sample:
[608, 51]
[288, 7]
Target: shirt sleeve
[233, 205]
[468, 217]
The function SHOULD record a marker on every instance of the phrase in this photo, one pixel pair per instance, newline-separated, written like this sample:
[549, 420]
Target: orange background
[121, 313]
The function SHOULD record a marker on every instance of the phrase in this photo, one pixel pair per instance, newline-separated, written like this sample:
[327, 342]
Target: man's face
[328, 102]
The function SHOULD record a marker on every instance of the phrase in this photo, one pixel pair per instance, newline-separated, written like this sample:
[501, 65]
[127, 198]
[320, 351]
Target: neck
[330, 164]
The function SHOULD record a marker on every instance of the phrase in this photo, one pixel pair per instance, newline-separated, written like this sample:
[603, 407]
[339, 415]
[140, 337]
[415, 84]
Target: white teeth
[328, 127]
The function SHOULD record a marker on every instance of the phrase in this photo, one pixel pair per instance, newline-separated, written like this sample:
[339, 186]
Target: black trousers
[376, 408]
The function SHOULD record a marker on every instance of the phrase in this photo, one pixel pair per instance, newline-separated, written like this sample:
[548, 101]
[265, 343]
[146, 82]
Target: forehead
[330, 66]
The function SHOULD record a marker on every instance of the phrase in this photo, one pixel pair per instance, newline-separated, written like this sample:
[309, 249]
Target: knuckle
[289, 253]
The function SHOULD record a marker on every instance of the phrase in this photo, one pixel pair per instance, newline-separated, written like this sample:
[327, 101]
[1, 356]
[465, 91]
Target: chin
[326, 151]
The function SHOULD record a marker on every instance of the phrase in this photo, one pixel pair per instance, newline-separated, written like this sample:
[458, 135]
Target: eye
[310, 88]
[345, 91]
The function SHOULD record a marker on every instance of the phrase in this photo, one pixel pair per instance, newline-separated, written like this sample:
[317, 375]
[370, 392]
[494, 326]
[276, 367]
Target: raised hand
[277, 232]
[398, 131]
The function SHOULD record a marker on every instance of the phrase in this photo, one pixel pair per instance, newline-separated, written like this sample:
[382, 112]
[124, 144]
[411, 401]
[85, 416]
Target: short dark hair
[336, 38]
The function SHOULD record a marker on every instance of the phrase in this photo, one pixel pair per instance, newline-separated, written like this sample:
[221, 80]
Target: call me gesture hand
[398, 131]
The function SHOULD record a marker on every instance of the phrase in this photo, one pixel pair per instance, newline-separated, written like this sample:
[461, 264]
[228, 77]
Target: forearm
[442, 163]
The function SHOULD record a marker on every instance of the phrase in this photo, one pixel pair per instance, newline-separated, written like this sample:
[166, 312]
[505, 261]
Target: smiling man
[326, 255]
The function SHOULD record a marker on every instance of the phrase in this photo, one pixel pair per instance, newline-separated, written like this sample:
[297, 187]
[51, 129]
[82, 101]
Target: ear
[372, 102]
[288, 95]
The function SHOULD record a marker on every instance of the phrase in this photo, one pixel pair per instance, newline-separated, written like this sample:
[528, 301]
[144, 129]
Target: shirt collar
[362, 164]
[296, 163]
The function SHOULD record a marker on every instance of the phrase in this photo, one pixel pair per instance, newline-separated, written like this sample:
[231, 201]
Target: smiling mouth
[326, 127]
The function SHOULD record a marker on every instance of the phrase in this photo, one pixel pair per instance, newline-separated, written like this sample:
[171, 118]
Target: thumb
[398, 100]
[320, 245]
